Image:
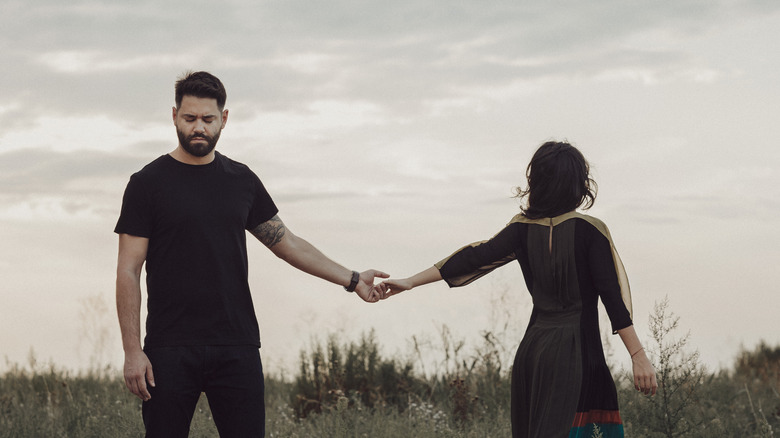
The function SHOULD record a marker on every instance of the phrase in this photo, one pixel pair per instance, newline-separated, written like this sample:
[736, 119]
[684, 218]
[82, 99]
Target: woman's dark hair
[200, 84]
[558, 182]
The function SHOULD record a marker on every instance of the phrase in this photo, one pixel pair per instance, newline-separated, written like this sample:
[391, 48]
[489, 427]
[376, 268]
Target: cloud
[73, 132]
[83, 57]
[41, 184]
[393, 122]
[44, 171]
[93, 62]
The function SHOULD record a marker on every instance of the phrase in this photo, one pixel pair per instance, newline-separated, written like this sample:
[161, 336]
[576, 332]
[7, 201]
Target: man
[185, 216]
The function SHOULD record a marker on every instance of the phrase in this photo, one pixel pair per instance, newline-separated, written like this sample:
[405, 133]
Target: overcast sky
[390, 134]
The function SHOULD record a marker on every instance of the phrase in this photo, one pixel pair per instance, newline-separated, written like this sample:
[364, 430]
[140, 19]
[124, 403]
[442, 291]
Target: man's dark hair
[200, 84]
[558, 181]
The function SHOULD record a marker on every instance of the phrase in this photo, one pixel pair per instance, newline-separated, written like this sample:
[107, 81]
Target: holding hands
[388, 288]
[365, 287]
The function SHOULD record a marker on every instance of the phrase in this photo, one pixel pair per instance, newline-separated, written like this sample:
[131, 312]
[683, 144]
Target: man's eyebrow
[213, 116]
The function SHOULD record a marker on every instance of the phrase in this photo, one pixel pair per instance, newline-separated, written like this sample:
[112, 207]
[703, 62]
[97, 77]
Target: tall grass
[47, 402]
[350, 389]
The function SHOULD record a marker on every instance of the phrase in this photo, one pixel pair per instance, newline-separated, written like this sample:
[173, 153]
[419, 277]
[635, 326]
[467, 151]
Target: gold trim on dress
[620, 270]
[625, 289]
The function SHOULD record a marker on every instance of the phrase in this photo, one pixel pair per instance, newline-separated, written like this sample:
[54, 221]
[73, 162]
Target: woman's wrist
[638, 355]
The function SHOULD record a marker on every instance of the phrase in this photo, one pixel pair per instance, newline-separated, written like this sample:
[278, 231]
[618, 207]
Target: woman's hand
[388, 288]
[392, 287]
[644, 373]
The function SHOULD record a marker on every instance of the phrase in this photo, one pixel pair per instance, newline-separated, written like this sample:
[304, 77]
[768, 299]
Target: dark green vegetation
[349, 389]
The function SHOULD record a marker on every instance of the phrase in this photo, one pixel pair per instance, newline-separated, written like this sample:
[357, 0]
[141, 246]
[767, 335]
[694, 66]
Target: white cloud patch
[95, 61]
[46, 185]
[309, 63]
[75, 133]
[51, 209]
[319, 119]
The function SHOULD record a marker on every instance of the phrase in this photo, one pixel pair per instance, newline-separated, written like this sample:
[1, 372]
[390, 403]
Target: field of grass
[350, 390]
[52, 403]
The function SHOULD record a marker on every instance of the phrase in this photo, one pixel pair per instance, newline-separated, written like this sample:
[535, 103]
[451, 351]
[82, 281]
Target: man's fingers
[142, 391]
[134, 387]
[374, 273]
[130, 386]
[137, 372]
[150, 376]
[137, 385]
[370, 296]
[384, 289]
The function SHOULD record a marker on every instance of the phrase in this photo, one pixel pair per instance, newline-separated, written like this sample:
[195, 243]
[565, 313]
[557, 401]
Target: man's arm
[304, 256]
[137, 369]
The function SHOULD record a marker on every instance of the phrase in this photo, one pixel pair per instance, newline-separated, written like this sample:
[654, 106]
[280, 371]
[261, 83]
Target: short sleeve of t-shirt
[263, 207]
[136, 214]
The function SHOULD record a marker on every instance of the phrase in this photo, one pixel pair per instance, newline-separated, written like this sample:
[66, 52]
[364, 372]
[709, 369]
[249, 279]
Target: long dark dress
[561, 385]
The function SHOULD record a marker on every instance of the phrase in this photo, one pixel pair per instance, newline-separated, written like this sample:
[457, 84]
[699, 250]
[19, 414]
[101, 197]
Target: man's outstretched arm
[304, 256]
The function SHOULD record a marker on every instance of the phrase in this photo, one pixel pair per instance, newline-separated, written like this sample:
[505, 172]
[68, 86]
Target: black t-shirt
[195, 218]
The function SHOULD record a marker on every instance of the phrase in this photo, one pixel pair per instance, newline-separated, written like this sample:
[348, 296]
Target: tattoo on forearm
[270, 232]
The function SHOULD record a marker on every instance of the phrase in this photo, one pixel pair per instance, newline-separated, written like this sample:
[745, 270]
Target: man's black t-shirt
[195, 218]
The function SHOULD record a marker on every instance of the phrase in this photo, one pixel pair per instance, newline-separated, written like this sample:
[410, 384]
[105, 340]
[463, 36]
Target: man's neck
[179, 154]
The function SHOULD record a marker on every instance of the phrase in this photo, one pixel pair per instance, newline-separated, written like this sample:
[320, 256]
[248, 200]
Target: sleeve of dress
[609, 279]
[479, 258]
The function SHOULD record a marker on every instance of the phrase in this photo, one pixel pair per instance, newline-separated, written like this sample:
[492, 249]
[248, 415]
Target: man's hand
[365, 287]
[138, 370]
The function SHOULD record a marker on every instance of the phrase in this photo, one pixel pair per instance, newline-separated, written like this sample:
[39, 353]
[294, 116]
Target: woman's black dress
[561, 385]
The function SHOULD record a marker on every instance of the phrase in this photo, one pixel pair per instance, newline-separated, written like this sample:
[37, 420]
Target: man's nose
[200, 126]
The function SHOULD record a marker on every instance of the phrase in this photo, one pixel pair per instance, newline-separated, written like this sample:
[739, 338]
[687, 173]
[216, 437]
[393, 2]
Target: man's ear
[174, 114]
[224, 118]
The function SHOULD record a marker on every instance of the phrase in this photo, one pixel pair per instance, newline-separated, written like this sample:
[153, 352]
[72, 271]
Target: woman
[561, 385]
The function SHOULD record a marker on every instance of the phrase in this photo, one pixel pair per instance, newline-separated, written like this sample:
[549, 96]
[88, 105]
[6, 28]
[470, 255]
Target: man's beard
[199, 149]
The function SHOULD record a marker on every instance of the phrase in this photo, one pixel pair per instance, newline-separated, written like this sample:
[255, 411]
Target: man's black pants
[231, 377]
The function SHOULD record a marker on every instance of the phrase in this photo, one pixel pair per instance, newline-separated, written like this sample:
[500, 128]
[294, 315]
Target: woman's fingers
[646, 384]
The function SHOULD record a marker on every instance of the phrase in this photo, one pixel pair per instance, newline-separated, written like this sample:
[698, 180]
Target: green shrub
[352, 390]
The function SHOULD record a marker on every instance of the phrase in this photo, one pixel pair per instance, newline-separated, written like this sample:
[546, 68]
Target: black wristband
[354, 282]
